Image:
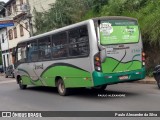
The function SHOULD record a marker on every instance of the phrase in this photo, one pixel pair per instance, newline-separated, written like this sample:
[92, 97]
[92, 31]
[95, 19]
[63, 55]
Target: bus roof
[114, 17]
[74, 25]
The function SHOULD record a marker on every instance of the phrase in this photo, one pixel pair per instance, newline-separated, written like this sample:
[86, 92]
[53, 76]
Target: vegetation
[65, 12]
[62, 13]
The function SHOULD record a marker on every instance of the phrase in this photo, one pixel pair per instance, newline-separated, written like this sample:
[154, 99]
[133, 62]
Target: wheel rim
[61, 87]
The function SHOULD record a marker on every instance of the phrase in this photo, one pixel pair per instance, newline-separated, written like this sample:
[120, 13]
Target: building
[16, 33]
[40, 5]
[22, 13]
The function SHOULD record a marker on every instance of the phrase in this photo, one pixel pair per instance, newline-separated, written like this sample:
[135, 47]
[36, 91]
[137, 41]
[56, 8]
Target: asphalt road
[119, 97]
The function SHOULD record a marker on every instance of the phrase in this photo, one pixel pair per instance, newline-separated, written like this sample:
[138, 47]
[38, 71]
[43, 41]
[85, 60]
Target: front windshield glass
[118, 32]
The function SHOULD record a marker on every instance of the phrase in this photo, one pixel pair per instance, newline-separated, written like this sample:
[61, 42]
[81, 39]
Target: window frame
[21, 30]
[2, 38]
[17, 53]
[66, 44]
[15, 32]
[40, 39]
[28, 42]
[10, 32]
[79, 56]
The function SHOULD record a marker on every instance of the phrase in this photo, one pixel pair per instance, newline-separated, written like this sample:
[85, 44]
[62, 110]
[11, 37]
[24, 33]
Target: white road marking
[8, 81]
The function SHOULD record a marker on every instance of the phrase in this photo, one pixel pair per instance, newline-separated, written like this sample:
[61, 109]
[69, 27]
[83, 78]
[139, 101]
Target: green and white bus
[93, 53]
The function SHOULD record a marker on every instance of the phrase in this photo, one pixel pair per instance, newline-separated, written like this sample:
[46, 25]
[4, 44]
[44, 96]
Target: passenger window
[44, 45]
[21, 56]
[32, 51]
[79, 42]
[59, 45]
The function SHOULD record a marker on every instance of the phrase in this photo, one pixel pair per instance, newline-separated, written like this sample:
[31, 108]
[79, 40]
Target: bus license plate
[123, 77]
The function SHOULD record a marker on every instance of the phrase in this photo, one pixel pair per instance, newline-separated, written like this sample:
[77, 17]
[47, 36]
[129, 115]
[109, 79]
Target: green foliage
[62, 13]
[65, 12]
[146, 11]
[149, 72]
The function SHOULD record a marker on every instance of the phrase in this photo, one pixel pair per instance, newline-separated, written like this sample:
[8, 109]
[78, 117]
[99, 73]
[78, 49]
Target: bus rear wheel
[61, 88]
[21, 86]
[100, 88]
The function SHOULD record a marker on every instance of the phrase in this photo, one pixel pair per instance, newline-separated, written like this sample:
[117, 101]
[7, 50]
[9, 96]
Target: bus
[89, 54]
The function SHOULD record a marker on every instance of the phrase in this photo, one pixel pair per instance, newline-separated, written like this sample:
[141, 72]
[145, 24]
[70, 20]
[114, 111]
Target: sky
[4, 0]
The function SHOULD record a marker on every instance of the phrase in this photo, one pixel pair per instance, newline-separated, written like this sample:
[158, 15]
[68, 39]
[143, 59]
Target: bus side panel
[73, 77]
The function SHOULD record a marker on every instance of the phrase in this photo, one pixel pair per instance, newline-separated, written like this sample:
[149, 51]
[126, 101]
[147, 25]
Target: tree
[62, 13]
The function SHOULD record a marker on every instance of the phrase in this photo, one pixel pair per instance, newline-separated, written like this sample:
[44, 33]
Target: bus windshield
[118, 32]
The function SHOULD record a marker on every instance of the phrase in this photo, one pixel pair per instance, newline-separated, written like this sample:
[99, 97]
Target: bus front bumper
[100, 78]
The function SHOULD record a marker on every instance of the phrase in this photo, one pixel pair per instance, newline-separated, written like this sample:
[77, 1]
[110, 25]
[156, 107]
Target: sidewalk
[147, 80]
[3, 79]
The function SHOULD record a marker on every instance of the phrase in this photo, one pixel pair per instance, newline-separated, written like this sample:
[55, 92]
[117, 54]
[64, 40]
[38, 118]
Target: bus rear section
[121, 57]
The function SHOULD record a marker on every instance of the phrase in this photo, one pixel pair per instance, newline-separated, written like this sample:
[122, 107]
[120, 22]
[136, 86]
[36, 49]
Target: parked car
[9, 71]
[156, 74]
[1, 69]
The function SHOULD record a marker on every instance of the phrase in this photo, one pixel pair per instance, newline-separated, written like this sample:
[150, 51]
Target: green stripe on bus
[110, 66]
[72, 77]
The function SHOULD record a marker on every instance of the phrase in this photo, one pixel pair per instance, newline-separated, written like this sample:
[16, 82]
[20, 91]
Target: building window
[15, 32]
[9, 10]
[26, 25]
[21, 2]
[10, 34]
[21, 30]
[2, 38]
[14, 7]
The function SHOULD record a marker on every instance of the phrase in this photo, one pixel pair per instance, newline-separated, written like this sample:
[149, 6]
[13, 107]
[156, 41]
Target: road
[119, 97]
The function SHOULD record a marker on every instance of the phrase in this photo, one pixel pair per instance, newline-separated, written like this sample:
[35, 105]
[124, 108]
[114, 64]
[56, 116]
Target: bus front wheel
[21, 86]
[61, 88]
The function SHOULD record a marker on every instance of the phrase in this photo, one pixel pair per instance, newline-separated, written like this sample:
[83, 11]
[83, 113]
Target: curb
[147, 80]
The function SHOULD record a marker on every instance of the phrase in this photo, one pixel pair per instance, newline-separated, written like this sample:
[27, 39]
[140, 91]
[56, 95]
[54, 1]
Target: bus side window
[21, 53]
[79, 42]
[44, 48]
[59, 45]
[32, 51]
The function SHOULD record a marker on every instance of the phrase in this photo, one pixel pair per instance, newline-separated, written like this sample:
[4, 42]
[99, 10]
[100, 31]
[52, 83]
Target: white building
[41, 5]
[21, 29]
[4, 47]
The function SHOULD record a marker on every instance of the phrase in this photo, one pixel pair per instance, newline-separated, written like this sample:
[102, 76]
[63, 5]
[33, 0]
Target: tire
[21, 86]
[100, 88]
[61, 88]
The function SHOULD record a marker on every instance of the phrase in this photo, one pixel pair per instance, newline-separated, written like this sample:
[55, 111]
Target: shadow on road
[87, 93]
